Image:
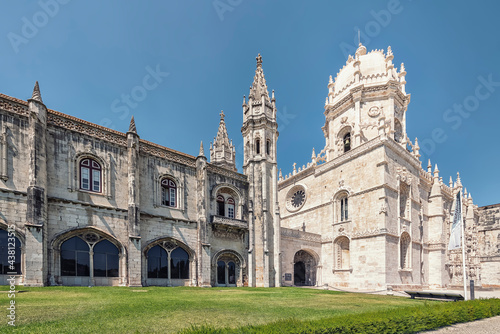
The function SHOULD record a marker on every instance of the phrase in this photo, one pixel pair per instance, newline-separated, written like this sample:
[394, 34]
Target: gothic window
[257, 146]
[404, 195]
[105, 259]
[226, 272]
[342, 253]
[268, 147]
[405, 247]
[171, 264]
[75, 258]
[10, 253]
[344, 209]
[168, 193]
[90, 175]
[347, 142]
[221, 206]
[230, 207]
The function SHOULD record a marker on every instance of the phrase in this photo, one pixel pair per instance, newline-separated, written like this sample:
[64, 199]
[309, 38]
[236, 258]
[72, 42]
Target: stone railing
[229, 222]
[301, 235]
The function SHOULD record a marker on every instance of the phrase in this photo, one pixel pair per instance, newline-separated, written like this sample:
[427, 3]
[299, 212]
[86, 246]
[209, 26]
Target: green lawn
[168, 310]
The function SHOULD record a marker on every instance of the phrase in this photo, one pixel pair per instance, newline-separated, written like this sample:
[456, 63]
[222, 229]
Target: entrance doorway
[304, 269]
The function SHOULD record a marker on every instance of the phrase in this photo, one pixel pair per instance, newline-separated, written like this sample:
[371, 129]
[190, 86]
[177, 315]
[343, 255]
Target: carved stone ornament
[374, 111]
[343, 120]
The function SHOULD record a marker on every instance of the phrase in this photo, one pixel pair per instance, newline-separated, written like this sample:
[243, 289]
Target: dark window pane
[105, 259]
[68, 263]
[157, 263]
[179, 263]
[231, 273]
[221, 272]
[112, 265]
[99, 265]
[106, 247]
[83, 264]
[75, 258]
[4, 254]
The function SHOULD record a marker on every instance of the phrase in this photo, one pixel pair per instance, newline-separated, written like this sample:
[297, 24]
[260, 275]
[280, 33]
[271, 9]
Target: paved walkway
[483, 326]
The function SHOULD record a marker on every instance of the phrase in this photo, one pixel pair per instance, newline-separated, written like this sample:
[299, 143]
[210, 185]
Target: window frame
[169, 189]
[93, 170]
[183, 271]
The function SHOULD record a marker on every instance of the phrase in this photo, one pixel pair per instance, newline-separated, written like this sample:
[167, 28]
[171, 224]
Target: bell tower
[260, 134]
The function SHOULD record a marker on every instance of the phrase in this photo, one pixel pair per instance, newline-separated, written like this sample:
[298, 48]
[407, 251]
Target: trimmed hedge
[401, 320]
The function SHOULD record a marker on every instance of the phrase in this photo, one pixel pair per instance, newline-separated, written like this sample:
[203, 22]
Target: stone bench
[435, 295]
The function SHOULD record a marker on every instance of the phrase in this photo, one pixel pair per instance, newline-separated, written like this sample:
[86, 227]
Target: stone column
[134, 228]
[36, 211]
[204, 251]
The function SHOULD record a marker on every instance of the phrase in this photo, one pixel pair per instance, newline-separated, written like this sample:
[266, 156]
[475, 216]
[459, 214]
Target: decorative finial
[330, 80]
[429, 166]
[451, 182]
[132, 127]
[222, 115]
[36, 93]
[389, 51]
[202, 151]
[359, 37]
[313, 154]
[272, 94]
[402, 70]
[259, 60]
[459, 182]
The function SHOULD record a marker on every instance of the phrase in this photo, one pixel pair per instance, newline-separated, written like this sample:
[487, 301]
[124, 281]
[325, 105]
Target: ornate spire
[131, 127]
[259, 86]
[222, 150]
[36, 93]
[202, 151]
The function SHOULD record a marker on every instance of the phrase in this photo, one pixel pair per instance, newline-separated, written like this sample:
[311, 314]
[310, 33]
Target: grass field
[168, 310]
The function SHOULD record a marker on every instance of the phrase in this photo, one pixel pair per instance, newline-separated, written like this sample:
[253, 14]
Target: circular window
[296, 198]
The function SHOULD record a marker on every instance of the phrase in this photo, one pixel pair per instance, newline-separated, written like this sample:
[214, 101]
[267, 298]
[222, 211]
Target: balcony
[221, 220]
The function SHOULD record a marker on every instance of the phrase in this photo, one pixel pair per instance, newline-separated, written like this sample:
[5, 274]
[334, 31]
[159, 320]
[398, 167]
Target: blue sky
[89, 55]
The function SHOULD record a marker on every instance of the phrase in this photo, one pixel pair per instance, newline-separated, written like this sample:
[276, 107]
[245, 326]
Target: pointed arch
[107, 263]
[168, 262]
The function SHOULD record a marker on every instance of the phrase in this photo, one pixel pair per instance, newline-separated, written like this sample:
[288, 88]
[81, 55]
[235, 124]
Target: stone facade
[373, 217]
[94, 206]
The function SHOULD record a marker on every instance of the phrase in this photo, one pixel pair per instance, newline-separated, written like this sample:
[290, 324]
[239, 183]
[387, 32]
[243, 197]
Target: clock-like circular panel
[296, 198]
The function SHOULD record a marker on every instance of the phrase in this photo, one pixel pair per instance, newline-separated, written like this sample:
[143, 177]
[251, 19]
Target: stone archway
[304, 269]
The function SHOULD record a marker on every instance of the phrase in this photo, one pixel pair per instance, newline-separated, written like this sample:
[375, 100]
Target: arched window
[347, 142]
[268, 147]
[168, 193]
[171, 263]
[344, 209]
[157, 263]
[230, 207]
[75, 258]
[342, 249]
[90, 175]
[221, 205]
[10, 253]
[226, 272]
[405, 243]
[257, 146]
[179, 263]
[105, 259]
